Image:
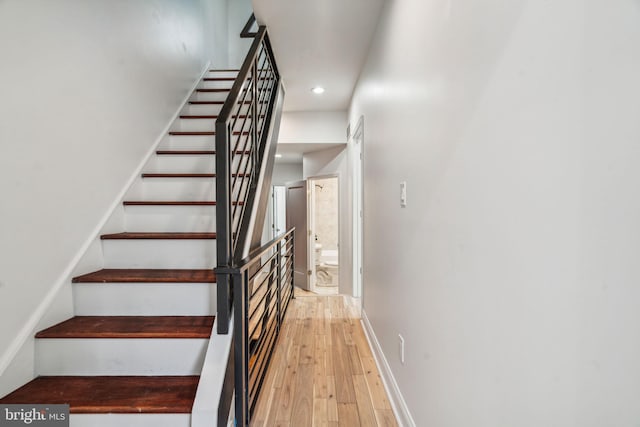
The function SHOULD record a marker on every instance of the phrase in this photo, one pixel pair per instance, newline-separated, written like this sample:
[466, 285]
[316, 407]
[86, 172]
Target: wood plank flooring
[323, 372]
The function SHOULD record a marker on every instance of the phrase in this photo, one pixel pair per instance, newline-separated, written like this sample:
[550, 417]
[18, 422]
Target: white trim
[26, 331]
[398, 404]
[205, 406]
[357, 194]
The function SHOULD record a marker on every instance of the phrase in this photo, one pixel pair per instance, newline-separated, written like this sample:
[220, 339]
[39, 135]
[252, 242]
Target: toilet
[326, 266]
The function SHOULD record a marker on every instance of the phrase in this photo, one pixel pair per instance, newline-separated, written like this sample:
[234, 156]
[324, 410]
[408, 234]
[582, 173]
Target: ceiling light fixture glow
[318, 90]
[278, 156]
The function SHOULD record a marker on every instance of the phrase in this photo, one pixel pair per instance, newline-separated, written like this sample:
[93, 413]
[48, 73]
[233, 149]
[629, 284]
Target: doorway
[312, 207]
[324, 234]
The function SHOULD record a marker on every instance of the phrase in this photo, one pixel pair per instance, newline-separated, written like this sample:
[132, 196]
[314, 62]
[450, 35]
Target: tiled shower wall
[326, 212]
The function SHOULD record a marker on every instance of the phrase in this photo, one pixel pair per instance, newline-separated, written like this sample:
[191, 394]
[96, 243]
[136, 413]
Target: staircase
[134, 350]
[140, 351]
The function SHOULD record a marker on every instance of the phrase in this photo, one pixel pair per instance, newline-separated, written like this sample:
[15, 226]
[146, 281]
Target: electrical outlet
[401, 348]
[403, 194]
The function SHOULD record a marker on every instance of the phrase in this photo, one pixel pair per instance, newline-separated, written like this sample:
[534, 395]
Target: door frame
[311, 222]
[357, 139]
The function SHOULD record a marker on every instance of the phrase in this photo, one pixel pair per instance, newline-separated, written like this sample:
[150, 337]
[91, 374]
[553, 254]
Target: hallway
[323, 372]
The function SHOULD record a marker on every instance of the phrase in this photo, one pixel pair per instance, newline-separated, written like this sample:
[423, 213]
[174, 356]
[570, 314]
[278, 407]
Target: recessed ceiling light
[278, 156]
[318, 90]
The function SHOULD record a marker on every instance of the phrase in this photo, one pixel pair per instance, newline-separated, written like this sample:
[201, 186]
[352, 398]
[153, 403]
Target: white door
[297, 217]
[279, 210]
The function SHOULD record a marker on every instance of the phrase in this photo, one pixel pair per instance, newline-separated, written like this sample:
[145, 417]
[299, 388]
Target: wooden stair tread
[191, 133]
[213, 90]
[211, 117]
[196, 117]
[186, 152]
[157, 236]
[206, 102]
[169, 203]
[215, 102]
[111, 394]
[178, 175]
[195, 152]
[130, 275]
[131, 327]
[173, 203]
[201, 133]
[187, 175]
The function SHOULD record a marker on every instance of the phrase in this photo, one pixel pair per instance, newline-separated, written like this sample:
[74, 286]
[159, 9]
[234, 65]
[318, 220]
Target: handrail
[241, 133]
[256, 283]
[263, 286]
[246, 30]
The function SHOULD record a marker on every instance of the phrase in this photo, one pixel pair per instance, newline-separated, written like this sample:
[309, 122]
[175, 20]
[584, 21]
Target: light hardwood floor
[322, 372]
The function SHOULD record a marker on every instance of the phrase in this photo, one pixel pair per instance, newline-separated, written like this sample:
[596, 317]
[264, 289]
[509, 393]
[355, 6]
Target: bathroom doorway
[324, 234]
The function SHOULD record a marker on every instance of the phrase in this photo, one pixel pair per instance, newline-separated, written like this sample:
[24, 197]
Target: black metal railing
[255, 285]
[262, 289]
[241, 139]
[248, 30]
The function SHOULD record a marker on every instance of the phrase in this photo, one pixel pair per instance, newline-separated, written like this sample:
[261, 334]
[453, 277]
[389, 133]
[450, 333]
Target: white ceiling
[319, 43]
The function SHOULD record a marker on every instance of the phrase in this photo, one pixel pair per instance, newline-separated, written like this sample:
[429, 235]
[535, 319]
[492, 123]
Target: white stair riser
[210, 109]
[217, 84]
[180, 163]
[200, 253]
[184, 164]
[221, 74]
[194, 125]
[209, 96]
[189, 142]
[144, 299]
[208, 125]
[120, 356]
[130, 420]
[177, 189]
[201, 109]
[170, 218]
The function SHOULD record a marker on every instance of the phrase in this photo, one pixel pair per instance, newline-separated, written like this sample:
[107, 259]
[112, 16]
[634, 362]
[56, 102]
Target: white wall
[282, 173]
[87, 87]
[239, 12]
[512, 273]
[227, 18]
[313, 127]
[286, 172]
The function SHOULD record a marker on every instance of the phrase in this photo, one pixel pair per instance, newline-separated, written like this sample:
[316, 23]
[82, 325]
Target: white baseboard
[27, 329]
[398, 403]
